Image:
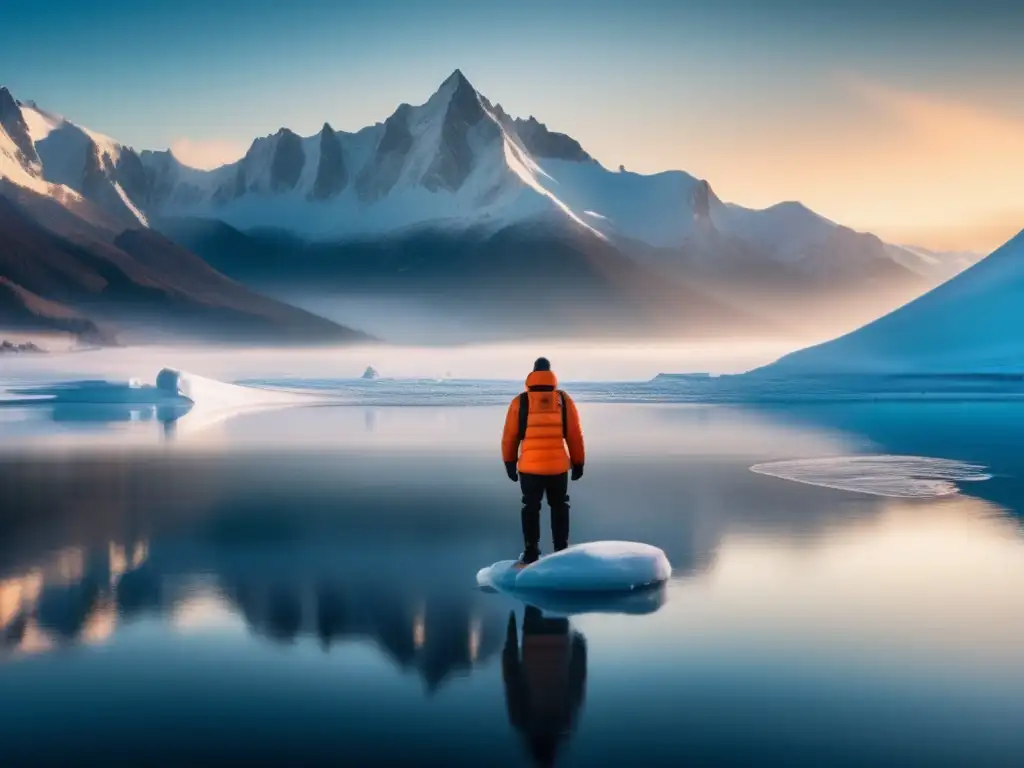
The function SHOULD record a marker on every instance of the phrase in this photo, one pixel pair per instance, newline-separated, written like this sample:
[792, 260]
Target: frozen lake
[297, 584]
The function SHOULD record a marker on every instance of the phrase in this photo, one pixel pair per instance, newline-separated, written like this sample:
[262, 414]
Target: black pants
[535, 488]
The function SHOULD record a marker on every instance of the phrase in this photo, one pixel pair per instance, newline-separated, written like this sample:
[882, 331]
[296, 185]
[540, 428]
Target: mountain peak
[12, 122]
[6, 98]
[457, 86]
[456, 78]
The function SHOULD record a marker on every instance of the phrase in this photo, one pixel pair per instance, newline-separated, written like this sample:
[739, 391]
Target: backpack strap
[524, 414]
[565, 418]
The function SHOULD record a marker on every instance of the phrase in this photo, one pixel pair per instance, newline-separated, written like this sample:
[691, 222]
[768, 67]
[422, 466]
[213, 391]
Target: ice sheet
[894, 476]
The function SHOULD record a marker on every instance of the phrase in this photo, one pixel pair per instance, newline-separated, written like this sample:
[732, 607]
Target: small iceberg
[370, 373]
[173, 396]
[593, 567]
[901, 477]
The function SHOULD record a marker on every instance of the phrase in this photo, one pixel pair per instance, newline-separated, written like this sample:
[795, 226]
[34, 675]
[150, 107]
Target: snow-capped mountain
[19, 161]
[77, 256]
[971, 324]
[56, 157]
[454, 162]
[457, 187]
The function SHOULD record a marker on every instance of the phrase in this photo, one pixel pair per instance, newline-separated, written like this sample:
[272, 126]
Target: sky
[900, 117]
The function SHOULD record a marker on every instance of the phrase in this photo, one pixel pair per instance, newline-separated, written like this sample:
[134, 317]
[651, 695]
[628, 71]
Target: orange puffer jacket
[544, 446]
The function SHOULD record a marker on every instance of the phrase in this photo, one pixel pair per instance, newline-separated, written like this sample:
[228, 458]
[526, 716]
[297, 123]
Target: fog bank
[618, 361]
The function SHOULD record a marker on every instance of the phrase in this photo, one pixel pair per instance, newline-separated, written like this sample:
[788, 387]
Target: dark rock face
[131, 175]
[331, 173]
[94, 179]
[289, 159]
[99, 174]
[161, 177]
[397, 138]
[541, 142]
[454, 160]
[465, 103]
[702, 200]
[380, 175]
[705, 235]
[14, 124]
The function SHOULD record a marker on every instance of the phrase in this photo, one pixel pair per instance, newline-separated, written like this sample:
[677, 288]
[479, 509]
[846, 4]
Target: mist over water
[604, 361]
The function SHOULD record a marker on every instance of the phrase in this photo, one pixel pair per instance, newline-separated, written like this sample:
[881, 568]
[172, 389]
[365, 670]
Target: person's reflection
[545, 683]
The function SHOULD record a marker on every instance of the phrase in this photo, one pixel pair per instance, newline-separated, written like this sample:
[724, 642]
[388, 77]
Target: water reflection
[75, 597]
[635, 602]
[83, 596]
[545, 681]
[291, 585]
[438, 637]
[98, 402]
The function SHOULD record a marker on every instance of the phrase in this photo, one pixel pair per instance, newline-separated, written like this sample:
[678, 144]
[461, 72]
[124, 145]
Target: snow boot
[530, 555]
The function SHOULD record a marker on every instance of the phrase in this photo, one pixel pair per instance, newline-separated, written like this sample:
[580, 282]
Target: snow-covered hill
[454, 162]
[972, 324]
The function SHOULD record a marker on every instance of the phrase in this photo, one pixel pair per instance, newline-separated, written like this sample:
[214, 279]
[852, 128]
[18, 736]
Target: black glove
[510, 468]
[577, 471]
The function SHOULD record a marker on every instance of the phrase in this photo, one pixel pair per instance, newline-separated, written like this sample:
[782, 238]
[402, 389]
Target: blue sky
[877, 114]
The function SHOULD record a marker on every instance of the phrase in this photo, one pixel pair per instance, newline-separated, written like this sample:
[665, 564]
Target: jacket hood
[542, 379]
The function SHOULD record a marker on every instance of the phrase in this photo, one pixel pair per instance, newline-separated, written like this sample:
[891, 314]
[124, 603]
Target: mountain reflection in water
[81, 596]
[310, 599]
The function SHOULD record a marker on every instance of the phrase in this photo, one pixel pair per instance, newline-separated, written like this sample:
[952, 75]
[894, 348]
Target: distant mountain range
[467, 209]
[69, 262]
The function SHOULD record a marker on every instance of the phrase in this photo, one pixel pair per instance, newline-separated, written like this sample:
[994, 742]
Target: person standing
[542, 442]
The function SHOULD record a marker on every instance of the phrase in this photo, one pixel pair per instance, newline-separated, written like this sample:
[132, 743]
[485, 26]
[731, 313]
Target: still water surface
[298, 586]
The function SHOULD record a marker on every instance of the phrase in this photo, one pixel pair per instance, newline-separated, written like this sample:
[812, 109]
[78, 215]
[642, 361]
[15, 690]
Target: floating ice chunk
[205, 391]
[216, 401]
[895, 476]
[597, 566]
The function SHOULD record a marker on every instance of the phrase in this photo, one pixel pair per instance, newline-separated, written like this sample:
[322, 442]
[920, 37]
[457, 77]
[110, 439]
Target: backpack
[524, 414]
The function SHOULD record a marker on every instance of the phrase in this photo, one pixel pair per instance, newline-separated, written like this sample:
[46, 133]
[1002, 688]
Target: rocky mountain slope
[61, 271]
